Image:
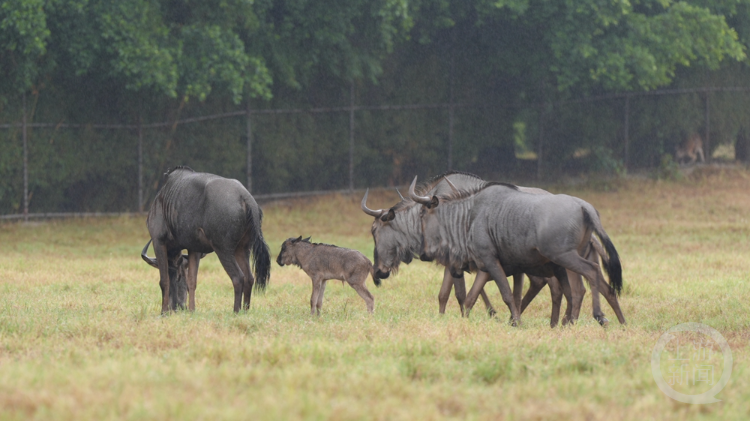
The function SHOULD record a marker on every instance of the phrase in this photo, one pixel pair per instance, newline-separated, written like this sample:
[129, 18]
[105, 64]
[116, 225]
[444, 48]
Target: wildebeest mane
[463, 194]
[179, 167]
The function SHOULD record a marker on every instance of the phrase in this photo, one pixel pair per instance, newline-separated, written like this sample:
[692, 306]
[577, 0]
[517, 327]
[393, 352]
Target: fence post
[140, 165]
[249, 135]
[540, 147]
[450, 115]
[25, 163]
[351, 137]
[626, 131]
[707, 152]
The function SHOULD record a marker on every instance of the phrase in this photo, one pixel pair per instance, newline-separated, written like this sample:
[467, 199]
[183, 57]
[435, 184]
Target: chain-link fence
[65, 169]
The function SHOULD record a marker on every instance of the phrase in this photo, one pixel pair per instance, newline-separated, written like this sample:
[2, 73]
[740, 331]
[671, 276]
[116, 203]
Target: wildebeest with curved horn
[205, 213]
[504, 231]
[397, 233]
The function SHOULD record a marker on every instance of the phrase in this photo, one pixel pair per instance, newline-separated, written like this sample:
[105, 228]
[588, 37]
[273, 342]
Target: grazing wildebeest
[397, 233]
[322, 262]
[205, 213]
[504, 231]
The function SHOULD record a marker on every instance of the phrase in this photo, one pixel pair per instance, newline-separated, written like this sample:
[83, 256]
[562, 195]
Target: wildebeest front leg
[536, 283]
[556, 293]
[316, 284]
[498, 274]
[160, 252]
[487, 304]
[445, 291]
[194, 260]
[474, 292]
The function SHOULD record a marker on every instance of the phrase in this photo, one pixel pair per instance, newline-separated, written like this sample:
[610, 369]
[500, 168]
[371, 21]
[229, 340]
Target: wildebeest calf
[322, 262]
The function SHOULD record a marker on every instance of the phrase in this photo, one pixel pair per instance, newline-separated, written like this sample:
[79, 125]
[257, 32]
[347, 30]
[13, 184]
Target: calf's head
[288, 253]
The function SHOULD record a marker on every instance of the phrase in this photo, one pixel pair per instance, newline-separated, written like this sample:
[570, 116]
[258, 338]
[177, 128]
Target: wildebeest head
[288, 255]
[396, 235]
[432, 229]
[178, 270]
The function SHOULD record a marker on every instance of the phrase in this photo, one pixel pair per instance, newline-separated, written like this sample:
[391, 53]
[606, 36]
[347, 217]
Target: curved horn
[425, 200]
[453, 186]
[399, 195]
[375, 213]
[147, 259]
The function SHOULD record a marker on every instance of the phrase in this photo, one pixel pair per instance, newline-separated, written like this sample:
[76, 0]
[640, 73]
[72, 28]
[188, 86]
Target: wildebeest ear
[297, 239]
[307, 240]
[388, 216]
[434, 202]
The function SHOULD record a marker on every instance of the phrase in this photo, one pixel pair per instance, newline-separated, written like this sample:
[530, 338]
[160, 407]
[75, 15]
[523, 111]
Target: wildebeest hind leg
[242, 256]
[609, 295]
[319, 304]
[573, 262]
[570, 295]
[230, 265]
[316, 283]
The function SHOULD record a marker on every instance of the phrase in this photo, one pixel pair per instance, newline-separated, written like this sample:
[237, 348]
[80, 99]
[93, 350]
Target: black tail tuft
[261, 263]
[611, 264]
[261, 255]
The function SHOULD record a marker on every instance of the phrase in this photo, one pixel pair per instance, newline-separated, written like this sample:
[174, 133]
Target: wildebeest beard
[401, 242]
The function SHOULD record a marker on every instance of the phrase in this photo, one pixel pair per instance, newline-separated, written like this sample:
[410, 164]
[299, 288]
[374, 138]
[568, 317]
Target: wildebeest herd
[456, 219]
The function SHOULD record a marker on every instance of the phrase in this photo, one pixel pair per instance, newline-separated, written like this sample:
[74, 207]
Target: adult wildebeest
[322, 262]
[397, 233]
[205, 213]
[504, 231]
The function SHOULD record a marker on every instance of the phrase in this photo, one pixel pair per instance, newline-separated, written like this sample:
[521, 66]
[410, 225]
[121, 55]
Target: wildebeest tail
[611, 262]
[259, 250]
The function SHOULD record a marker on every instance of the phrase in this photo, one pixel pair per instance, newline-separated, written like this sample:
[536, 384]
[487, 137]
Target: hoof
[491, 313]
[603, 321]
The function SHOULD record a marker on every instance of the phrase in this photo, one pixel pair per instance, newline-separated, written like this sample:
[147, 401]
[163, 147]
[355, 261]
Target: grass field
[81, 336]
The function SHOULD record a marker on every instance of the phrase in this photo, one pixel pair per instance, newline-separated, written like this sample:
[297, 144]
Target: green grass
[81, 336]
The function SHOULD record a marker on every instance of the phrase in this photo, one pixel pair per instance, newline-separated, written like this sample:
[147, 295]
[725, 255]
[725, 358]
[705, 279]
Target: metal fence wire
[325, 149]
